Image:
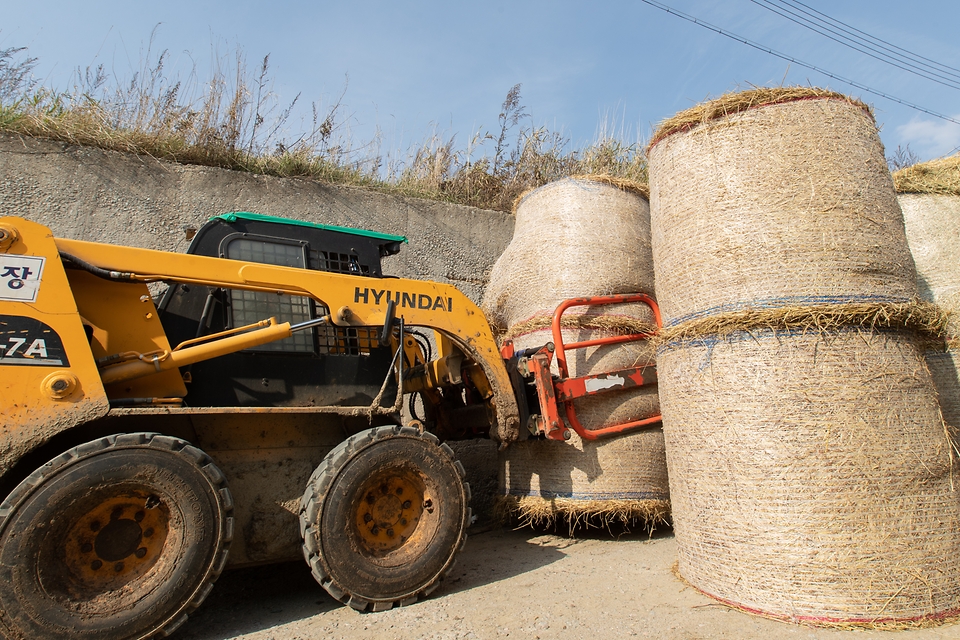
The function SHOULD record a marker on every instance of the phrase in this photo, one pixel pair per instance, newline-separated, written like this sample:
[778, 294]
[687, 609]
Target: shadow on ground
[246, 601]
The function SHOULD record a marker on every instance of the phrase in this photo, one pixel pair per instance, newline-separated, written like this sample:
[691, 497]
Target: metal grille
[344, 263]
[348, 341]
[248, 307]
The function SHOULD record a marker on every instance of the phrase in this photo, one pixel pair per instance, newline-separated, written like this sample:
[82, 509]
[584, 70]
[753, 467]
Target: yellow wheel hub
[389, 510]
[116, 541]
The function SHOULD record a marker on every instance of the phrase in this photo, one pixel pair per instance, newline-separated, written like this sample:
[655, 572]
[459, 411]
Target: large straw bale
[578, 237]
[796, 180]
[623, 479]
[933, 233]
[932, 222]
[811, 476]
[940, 176]
[572, 238]
[810, 470]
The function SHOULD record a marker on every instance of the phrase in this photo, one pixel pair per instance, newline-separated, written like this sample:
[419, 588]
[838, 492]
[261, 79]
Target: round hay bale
[933, 233]
[578, 237]
[770, 198]
[574, 237]
[616, 480]
[811, 476]
[931, 214]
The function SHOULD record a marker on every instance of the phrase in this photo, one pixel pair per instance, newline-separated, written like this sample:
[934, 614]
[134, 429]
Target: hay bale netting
[583, 236]
[774, 197]
[814, 483]
[810, 471]
[930, 200]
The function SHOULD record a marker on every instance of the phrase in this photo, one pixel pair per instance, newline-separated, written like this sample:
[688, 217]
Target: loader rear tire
[384, 516]
[117, 538]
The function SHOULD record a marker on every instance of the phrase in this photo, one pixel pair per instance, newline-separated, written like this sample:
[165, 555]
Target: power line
[923, 71]
[884, 44]
[783, 56]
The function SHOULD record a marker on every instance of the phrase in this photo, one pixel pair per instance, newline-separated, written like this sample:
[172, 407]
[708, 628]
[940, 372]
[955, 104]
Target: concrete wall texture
[91, 194]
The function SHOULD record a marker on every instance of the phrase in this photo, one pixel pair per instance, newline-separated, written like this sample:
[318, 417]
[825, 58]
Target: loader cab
[318, 367]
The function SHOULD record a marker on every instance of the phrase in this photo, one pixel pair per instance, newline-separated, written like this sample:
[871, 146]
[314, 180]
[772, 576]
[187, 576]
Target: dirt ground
[509, 584]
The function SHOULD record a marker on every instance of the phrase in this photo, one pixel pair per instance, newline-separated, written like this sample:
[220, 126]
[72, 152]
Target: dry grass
[610, 324]
[234, 121]
[642, 189]
[736, 102]
[534, 511]
[941, 177]
[923, 318]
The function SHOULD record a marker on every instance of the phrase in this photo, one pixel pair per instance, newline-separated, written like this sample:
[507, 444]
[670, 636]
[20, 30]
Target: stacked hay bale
[810, 471]
[583, 236]
[929, 195]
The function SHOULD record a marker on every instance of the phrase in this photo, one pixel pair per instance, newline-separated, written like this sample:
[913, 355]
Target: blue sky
[419, 67]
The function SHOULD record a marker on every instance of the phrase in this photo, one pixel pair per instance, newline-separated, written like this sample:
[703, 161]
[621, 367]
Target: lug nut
[141, 552]
[96, 564]
[407, 504]
[367, 517]
[118, 567]
[86, 547]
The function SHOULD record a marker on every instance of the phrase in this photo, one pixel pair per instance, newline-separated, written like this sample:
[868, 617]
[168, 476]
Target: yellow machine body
[119, 372]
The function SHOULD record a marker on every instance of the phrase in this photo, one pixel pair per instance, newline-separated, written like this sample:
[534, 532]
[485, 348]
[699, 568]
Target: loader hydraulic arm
[353, 301]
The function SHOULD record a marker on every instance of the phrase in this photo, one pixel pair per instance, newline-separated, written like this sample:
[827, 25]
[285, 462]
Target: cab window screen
[248, 307]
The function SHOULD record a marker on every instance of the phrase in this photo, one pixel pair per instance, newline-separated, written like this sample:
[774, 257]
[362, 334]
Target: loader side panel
[48, 378]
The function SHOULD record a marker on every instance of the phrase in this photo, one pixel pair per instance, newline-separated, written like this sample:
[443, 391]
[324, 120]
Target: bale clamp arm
[553, 392]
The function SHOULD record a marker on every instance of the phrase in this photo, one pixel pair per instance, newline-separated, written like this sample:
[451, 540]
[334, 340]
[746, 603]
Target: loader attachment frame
[557, 394]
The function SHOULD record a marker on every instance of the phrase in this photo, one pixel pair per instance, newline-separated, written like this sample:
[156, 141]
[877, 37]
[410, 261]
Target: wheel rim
[112, 540]
[389, 511]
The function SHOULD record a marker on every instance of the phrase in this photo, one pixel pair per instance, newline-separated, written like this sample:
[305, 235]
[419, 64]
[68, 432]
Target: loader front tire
[117, 538]
[384, 516]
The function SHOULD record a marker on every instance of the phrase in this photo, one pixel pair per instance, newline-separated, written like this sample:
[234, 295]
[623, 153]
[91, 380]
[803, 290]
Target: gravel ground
[509, 583]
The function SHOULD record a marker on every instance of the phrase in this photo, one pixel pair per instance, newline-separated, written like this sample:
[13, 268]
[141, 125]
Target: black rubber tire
[51, 534]
[333, 544]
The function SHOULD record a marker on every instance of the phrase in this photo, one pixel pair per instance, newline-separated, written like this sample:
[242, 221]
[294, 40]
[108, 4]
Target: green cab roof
[259, 217]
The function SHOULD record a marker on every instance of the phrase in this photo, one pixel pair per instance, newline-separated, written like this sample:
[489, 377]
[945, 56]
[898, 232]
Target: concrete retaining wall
[91, 194]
